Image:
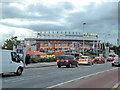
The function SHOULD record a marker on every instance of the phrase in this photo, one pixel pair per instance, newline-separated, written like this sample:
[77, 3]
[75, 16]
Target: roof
[48, 39]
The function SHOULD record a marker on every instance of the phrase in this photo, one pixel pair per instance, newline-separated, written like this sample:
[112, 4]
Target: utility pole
[83, 37]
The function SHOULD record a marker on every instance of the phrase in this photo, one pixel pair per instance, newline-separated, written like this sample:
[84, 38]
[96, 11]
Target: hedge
[38, 59]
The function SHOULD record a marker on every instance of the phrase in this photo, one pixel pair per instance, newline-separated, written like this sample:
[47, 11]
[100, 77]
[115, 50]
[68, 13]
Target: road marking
[116, 85]
[64, 83]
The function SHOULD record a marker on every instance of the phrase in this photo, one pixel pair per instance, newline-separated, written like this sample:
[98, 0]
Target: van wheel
[19, 71]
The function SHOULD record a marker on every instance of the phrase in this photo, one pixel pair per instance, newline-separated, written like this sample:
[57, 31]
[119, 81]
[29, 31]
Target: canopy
[35, 53]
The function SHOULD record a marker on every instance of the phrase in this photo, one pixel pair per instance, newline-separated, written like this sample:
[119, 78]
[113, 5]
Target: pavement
[39, 65]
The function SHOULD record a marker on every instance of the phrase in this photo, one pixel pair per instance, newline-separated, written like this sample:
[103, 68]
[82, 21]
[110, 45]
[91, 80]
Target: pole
[83, 37]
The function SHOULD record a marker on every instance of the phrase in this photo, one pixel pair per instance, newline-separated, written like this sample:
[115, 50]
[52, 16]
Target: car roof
[85, 56]
[97, 57]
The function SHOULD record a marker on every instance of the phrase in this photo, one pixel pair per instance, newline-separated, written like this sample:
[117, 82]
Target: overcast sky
[24, 18]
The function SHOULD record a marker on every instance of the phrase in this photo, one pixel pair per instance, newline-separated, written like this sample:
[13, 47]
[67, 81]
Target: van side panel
[0, 60]
[6, 59]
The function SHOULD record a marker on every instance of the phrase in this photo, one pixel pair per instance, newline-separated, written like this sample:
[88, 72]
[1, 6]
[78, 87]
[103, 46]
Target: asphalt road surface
[51, 77]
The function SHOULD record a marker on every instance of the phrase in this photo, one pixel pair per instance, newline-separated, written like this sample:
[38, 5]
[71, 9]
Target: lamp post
[83, 37]
[105, 46]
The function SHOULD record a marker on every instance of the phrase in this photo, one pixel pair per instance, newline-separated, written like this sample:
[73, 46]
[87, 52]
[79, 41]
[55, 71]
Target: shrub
[38, 59]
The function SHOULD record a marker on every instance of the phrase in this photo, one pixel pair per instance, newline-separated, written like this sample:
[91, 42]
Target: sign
[89, 35]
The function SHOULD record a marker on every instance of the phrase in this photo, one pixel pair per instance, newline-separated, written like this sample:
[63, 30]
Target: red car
[98, 60]
[112, 57]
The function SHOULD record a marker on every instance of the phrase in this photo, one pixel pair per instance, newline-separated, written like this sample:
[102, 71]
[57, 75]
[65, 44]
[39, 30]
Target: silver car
[116, 62]
[85, 60]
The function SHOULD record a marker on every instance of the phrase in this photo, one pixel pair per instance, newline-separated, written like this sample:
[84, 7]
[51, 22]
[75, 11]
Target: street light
[105, 46]
[83, 37]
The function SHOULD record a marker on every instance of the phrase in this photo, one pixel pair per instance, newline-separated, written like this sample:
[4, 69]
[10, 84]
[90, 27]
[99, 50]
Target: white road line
[79, 78]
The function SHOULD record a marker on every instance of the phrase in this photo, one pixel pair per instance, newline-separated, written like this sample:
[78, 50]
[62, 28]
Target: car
[98, 60]
[66, 60]
[112, 57]
[116, 62]
[85, 60]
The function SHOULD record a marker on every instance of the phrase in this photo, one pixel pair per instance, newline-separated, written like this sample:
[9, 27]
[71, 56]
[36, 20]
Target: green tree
[116, 49]
[10, 42]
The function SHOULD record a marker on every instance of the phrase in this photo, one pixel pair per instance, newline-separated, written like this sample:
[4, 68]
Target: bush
[38, 59]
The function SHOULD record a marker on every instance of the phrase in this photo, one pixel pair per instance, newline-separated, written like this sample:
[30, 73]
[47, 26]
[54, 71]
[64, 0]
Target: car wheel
[76, 65]
[19, 71]
[59, 66]
[92, 63]
[113, 65]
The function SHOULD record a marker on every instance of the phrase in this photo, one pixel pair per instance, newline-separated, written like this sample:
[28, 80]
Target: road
[52, 76]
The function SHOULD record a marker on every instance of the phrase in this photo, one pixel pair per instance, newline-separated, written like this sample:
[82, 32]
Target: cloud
[65, 15]
[7, 32]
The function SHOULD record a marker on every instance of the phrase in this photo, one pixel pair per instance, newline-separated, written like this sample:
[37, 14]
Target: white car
[11, 63]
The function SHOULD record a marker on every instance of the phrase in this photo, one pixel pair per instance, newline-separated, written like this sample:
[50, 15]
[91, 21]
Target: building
[61, 41]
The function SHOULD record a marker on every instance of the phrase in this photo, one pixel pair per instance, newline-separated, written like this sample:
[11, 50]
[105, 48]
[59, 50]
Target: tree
[116, 49]
[10, 42]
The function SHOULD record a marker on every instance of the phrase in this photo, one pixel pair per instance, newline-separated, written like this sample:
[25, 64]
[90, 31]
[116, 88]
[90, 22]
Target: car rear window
[66, 57]
[62, 57]
[83, 58]
[97, 57]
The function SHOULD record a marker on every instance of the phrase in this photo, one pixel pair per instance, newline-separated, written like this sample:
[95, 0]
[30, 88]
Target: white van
[11, 62]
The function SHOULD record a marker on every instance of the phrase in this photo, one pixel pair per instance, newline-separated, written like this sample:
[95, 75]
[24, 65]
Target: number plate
[61, 60]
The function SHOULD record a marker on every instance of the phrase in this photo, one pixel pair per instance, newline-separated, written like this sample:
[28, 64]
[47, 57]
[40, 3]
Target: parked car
[112, 57]
[85, 60]
[67, 60]
[11, 63]
[98, 60]
[116, 62]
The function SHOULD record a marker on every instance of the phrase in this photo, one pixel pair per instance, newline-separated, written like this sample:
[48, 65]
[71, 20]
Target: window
[15, 57]
[83, 57]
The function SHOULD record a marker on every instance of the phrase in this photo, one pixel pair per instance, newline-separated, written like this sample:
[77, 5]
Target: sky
[25, 18]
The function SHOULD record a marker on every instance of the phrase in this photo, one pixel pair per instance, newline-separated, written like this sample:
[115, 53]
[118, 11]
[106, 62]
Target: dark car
[66, 60]
[98, 60]
[116, 62]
